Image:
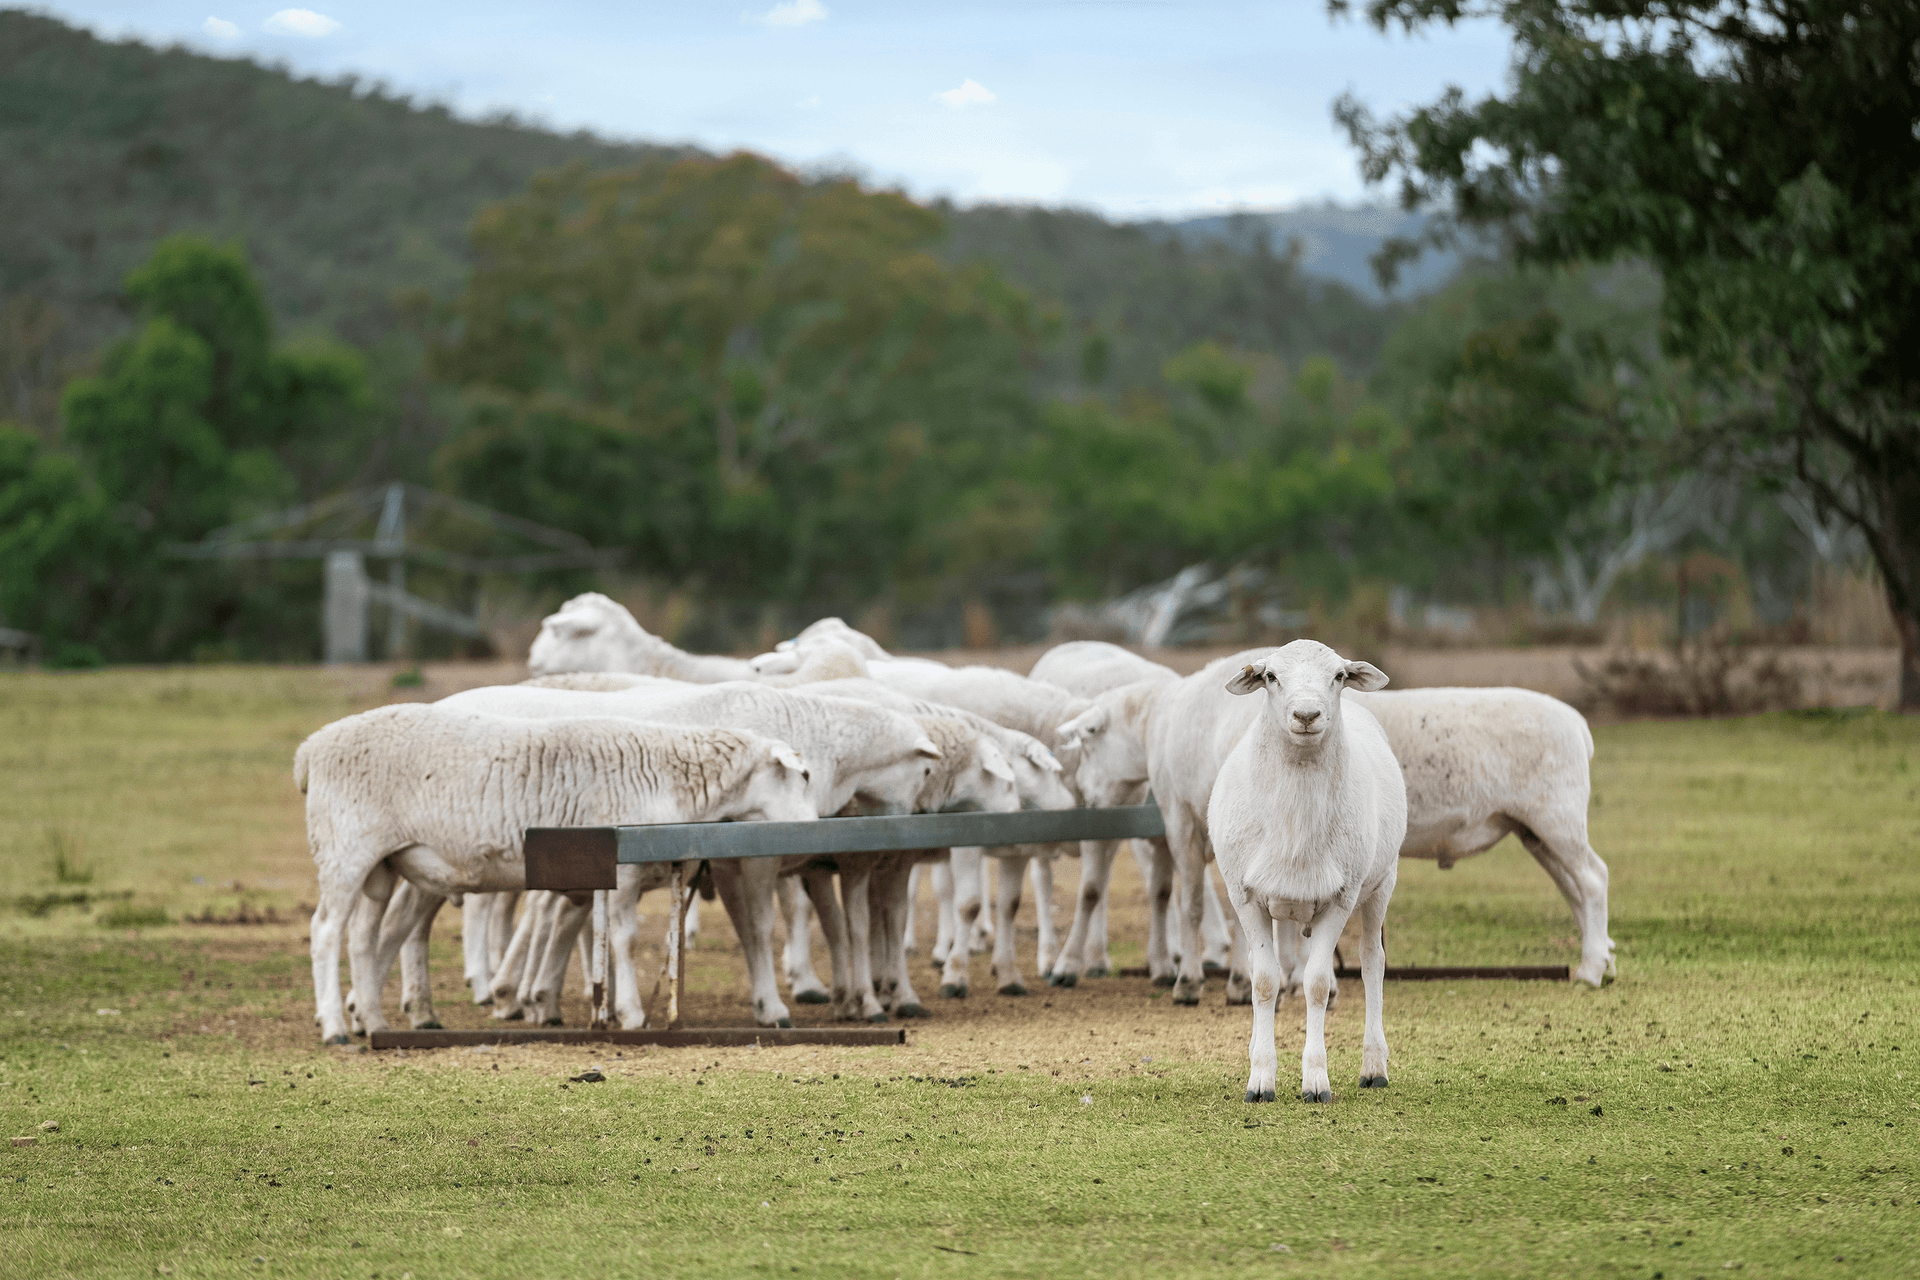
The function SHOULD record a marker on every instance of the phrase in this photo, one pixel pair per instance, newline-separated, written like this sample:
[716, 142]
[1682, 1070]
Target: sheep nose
[1306, 718]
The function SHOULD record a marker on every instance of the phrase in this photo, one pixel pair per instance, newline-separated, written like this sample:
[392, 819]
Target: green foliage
[1763, 157]
[1529, 396]
[1298, 480]
[194, 421]
[763, 383]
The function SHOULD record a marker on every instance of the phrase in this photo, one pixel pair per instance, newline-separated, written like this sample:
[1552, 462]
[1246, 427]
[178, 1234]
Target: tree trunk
[1907, 626]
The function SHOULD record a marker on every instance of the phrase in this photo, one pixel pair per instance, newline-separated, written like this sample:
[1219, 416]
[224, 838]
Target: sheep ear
[1365, 677]
[994, 762]
[1043, 758]
[786, 755]
[926, 748]
[1250, 678]
[575, 628]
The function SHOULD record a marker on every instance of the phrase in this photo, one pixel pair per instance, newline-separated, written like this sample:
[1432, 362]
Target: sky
[1135, 108]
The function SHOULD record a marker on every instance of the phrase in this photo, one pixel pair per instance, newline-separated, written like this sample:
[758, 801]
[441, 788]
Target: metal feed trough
[580, 859]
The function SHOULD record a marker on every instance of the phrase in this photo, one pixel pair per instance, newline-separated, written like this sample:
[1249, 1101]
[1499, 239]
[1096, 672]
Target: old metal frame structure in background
[582, 859]
[325, 528]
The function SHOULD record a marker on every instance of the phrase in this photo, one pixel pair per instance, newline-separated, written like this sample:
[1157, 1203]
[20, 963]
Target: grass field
[1739, 1100]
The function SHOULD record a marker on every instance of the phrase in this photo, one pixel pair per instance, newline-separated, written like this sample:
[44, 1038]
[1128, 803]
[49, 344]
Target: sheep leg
[747, 887]
[338, 898]
[1006, 968]
[1047, 951]
[1190, 868]
[967, 865]
[540, 933]
[1373, 972]
[980, 934]
[623, 923]
[1096, 867]
[909, 943]
[796, 914]
[856, 901]
[476, 921]
[570, 916]
[1098, 960]
[1290, 950]
[416, 987]
[507, 1004]
[896, 891]
[693, 917]
[1560, 847]
[1324, 936]
[1156, 868]
[1263, 1060]
[943, 911]
[1216, 933]
[880, 933]
[1239, 985]
[833, 922]
[499, 935]
[363, 947]
[361, 905]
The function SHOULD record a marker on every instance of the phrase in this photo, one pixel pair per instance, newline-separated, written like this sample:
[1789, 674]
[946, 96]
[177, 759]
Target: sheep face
[983, 783]
[589, 633]
[1303, 682]
[1038, 778]
[896, 787]
[777, 790]
[1110, 765]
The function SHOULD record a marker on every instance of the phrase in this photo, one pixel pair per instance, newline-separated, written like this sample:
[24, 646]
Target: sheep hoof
[785, 1024]
[340, 1039]
[812, 997]
[518, 1015]
[1099, 971]
[1212, 970]
[878, 1017]
[1373, 1082]
[1013, 989]
[1163, 980]
[1185, 993]
[554, 1022]
[1063, 979]
[911, 1011]
[1260, 1095]
[1308, 1095]
[952, 992]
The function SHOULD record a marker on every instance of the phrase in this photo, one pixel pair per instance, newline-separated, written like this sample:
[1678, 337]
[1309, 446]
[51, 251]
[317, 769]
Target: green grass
[1735, 1102]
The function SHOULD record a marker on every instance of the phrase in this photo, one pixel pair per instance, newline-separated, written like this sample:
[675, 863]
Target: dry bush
[1712, 676]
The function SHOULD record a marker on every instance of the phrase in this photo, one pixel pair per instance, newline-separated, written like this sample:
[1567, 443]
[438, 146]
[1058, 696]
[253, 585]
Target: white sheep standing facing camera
[1306, 817]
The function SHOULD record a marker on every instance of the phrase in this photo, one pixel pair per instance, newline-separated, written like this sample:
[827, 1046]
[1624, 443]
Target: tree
[1762, 155]
[765, 383]
[195, 420]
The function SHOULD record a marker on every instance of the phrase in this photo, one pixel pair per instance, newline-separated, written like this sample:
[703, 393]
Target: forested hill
[346, 196]
[343, 194]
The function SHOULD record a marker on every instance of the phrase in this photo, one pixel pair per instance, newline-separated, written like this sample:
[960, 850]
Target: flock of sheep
[1286, 767]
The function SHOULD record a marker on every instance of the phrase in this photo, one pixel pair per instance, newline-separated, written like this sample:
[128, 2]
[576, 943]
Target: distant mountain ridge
[1337, 242]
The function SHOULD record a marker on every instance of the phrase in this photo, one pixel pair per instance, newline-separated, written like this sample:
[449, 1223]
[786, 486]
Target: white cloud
[809, 102]
[220, 29]
[969, 93]
[790, 13]
[301, 22]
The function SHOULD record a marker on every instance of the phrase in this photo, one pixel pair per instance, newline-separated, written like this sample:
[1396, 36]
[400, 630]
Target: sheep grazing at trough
[594, 633]
[1478, 764]
[443, 798]
[858, 754]
[1036, 709]
[1307, 816]
[1089, 668]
